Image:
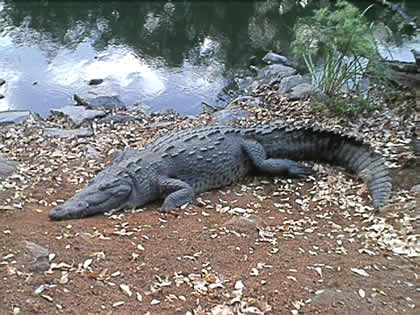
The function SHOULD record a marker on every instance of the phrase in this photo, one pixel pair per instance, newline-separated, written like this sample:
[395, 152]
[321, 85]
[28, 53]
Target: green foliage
[343, 43]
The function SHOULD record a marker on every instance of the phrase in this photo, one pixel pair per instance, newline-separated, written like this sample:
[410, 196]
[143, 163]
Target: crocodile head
[109, 190]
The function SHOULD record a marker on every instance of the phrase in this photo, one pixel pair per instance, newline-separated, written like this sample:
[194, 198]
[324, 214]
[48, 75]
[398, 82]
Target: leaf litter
[256, 266]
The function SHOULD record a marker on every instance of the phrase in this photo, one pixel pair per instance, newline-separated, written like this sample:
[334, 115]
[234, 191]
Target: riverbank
[267, 245]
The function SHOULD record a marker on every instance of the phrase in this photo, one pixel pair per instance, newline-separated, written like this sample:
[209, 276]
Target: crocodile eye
[104, 186]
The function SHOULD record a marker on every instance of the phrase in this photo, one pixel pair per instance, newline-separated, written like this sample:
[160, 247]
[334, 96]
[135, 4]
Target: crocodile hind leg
[176, 193]
[258, 157]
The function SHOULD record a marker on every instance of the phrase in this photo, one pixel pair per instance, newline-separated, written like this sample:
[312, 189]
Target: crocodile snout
[57, 213]
[63, 213]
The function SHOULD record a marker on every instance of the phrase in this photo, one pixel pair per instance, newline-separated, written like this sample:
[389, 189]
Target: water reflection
[162, 53]
[168, 55]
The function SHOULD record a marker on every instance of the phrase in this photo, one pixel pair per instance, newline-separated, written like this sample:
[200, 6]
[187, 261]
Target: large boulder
[275, 73]
[78, 114]
[229, 115]
[106, 102]
[287, 84]
[401, 59]
[272, 58]
[13, 116]
[305, 90]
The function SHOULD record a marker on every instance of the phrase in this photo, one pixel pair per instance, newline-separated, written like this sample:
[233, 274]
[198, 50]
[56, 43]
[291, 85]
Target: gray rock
[78, 114]
[339, 295]
[272, 58]
[107, 102]
[327, 297]
[402, 53]
[244, 83]
[140, 108]
[274, 73]
[91, 151]
[13, 116]
[68, 133]
[2, 81]
[305, 90]
[290, 82]
[249, 100]
[2, 96]
[164, 112]
[95, 81]
[253, 86]
[35, 250]
[80, 101]
[118, 118]
[207, 108]
[410, 68]
[37, 255]
[163, 124]
[7, 167]
[227, 116]
[246, 224]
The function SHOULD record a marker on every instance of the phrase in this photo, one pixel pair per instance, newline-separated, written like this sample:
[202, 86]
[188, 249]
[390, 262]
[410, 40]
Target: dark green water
[169, 55]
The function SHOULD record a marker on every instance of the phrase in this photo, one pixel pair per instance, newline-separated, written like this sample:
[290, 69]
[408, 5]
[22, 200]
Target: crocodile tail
[316, 144]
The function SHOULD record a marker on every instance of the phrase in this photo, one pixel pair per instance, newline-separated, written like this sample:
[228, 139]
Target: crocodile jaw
[100, 196]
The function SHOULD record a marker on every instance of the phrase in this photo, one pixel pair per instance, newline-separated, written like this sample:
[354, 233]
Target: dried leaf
[360, 272]
[126, 290]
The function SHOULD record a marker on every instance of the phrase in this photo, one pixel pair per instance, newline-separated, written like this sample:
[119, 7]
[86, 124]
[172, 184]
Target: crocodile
[178, 166]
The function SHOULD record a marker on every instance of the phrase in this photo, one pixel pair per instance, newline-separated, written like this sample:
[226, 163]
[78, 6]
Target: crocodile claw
[174, 212]
[297, 170]
[168, 210]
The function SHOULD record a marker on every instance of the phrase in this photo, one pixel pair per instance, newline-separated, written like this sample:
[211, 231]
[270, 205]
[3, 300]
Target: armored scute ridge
[180, 165]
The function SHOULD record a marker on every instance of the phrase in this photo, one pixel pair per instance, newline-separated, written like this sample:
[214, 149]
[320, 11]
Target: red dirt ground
[303, 266]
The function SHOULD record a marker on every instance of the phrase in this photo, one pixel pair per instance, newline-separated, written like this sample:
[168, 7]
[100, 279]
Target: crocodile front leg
[258, 156]
[176, 193]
